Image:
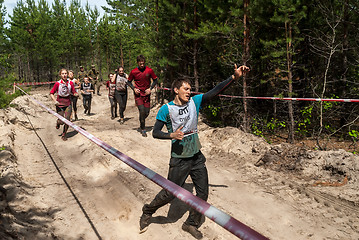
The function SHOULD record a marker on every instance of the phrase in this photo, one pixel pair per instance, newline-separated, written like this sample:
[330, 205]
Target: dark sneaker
[145, 220]
[192, 230]
[112, 118]
[63, 137]
[144, 134]
[57, 126]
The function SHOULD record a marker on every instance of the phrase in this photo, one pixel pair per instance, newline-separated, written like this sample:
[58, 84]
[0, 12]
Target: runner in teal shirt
[181, 119]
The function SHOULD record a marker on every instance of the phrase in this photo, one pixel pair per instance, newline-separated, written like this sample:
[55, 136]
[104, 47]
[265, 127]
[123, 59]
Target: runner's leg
[122, 104]
[199, 176]
[75, 107]
[89, 105]
[142, 116]
[178, 173]
[84, 101]
[112, 103]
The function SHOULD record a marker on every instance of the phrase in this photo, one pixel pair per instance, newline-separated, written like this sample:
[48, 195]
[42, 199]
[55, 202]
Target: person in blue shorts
[181, 119]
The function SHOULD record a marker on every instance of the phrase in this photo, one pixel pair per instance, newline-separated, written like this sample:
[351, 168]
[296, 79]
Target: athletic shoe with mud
[192, 230]
[144, 134]
[63, 136]
[144, 222]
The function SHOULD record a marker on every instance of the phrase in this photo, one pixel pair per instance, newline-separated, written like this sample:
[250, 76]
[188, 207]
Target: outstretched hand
[239, 71]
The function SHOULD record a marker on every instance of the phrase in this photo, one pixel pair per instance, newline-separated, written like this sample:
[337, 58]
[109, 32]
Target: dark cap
[81, 66]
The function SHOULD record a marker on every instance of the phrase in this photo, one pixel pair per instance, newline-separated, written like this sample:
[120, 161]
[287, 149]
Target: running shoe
[144, 134]
[145, 221]
[63, 137]
[122, 121]
[192, 230]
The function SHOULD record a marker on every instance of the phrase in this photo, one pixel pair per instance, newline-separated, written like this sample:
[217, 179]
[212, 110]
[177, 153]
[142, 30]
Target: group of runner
[180, 117]
[68, 89]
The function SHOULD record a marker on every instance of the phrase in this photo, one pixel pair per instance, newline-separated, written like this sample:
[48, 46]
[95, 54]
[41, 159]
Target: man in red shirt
[142, 77]
[64, 88]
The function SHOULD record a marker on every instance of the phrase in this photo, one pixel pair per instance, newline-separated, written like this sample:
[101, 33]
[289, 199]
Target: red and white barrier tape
[223, 219]
[32, 83]
[284, 99]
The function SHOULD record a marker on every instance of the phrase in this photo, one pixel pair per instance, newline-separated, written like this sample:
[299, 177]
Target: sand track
[104, 196]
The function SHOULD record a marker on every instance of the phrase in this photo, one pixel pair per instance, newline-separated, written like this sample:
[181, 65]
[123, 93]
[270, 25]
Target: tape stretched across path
[226, 221]
[32, 83]
[283, 99]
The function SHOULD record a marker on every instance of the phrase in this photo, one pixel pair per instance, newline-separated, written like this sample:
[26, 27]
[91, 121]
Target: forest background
[295, 48]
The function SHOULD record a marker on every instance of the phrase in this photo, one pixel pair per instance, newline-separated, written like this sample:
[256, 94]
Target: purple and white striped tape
[221, 218]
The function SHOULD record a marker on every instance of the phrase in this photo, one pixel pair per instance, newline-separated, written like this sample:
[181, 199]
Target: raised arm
[238, 72]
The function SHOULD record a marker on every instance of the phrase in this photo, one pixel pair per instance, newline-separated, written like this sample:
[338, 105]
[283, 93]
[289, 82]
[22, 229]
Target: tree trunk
[195, 50]
[122, 64]
[90, 38]
[245, 60]
[288, 33]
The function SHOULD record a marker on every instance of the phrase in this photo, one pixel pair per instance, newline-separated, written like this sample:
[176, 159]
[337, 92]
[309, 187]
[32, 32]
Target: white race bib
[185, 116]
[64, 89]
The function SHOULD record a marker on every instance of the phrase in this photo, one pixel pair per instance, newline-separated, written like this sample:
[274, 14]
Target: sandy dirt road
[75, 190]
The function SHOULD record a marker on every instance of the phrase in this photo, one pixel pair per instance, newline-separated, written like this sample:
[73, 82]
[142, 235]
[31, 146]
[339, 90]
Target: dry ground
[51, 189]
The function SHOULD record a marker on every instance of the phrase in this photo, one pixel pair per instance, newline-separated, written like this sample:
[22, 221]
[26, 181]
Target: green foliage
[304, 125]
[354, 134]
[257, 128]
[199, 40]
[213, 110]
[6, 95]
[263, 127]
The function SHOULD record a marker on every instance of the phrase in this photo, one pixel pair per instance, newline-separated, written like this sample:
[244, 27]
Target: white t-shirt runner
[121, 83]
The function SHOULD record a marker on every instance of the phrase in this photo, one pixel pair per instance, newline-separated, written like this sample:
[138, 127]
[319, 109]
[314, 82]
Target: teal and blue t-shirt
[189, 145]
